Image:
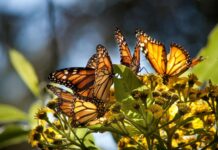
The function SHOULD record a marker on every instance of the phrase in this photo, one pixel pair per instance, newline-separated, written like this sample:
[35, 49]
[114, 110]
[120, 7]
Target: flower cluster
[54, 131]
[181, 114]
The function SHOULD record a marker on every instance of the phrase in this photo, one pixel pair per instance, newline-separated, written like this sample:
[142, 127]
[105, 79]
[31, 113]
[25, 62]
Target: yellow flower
[183, 108]
[193, 79]
[160, 100]
[42, 114]
[34, 138]
[57, 124]
[199, 107]
[209, 120]
[123, 143]
[126, 142]
[177, 138]
[52, 104]
[172, 111]
[39, 128]
[157, 110]
[197, 123]
[193, 95]
[152, 80]
[178, 84]
[52, 134]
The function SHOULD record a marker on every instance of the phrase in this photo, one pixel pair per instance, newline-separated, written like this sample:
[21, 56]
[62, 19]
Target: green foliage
[16, 122]
[207, 69]
[16, 126]
[13, 134]
[25, 70]
[11, 114]
[88, 138]
[125, 88]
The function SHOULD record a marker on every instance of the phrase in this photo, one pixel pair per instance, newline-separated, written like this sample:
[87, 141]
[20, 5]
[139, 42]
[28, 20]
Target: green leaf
[11, 114]
[32, 112]
[127, 107]
[87, 137]
[25, 70]
[127, 82]
[207, 69]
[13, 134]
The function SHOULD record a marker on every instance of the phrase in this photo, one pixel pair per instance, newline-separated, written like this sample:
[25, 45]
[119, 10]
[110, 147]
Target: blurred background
[54, 34]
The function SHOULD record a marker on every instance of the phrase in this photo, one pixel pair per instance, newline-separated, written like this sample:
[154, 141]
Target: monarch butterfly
[83, 109]
[168, 65]
[126, 58]
[79, 79]
[103, 74]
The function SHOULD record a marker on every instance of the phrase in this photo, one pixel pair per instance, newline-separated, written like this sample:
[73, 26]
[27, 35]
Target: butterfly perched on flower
[176, 62]
[133, 62]
[84, 108]
[80, 109]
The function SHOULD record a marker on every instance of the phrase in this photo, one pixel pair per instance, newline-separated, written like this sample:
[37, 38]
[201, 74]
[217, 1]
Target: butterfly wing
[135, 64]
[126, 58]
[178, 60]
[92, 63]
[79, 108]
[142, 40]
[80, 80]
[154, 51]
[103, 74]
[61, 92]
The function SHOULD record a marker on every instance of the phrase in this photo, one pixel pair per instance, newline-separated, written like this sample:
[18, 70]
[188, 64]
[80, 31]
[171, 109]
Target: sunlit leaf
[125, 82]
[207, 69]
[12, 134]
[25, 70]
[11, 114]
[88, 139]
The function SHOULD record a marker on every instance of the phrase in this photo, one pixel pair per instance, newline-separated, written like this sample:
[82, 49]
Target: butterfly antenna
[140, 69]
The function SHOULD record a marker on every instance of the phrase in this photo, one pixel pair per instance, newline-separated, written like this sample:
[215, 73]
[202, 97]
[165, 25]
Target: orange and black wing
[126, 57]
[135, 64]
[103, 74]
[154, 51]
[178, 60]
[80, 109]
[156, 55]
[142, 40]
[61, 93]
[92, 62]
[80, 80]
[66, 100]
